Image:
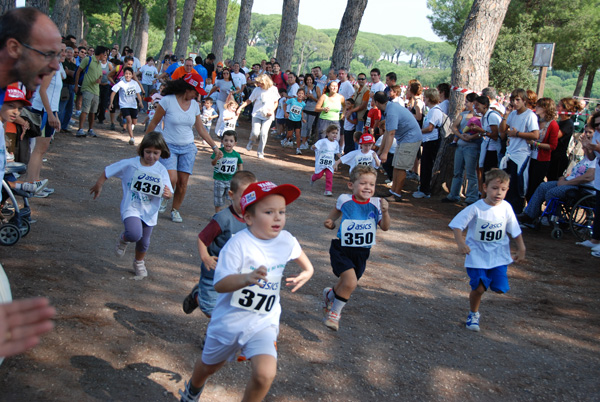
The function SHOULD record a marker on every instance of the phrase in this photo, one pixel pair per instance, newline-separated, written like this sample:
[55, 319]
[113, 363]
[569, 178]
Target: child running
[224, 168]
[326, 149]
[211, 240]
[128, 90]
[248, 278]
[208, 114]
[229, 117]
[487, 247]
[144, 181]
[293, 108]
[349, 252]
[363, 156]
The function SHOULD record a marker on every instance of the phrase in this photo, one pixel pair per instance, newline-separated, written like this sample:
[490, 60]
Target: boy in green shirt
[224, 168]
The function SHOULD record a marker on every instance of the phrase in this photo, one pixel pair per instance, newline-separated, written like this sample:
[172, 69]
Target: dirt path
[402, 335]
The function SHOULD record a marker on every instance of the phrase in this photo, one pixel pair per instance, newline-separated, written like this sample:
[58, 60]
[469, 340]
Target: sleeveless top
[334, 109]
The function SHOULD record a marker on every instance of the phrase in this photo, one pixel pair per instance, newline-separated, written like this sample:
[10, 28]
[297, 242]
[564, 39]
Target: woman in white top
[265, 97]
[180, 112]
[224, 87]
[45, 103]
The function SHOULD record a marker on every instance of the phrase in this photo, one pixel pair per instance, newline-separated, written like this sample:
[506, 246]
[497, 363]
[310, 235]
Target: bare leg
[82, 118]
[180, 190]
[128, 126]
[346, 284]
[475, 298]
[90, 120]
[264, 368]
[203, 371]
[398, 180]
[35, 161]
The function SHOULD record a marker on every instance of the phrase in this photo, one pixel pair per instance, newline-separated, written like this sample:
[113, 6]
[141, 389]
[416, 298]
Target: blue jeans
[466, 159]
[546, 191]
[65, 109]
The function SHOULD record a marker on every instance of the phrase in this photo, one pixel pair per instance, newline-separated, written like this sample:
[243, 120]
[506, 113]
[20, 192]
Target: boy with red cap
[363, 156]
[360, 214]
[14, 101]
[248, 280]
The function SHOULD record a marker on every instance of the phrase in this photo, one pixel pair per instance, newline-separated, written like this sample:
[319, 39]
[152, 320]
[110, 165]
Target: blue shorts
[344, 258]
[493, 278]
[207, 295]
[182, 158]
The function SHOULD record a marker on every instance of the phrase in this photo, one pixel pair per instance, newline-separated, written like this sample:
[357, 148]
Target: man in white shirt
[346, 89]
[376, 85]
[238, 77]
[320, 79]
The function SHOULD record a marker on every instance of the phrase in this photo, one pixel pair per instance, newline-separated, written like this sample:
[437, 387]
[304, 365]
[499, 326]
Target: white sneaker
[140, 268]
[163, 205]
[176, 216]
[131, 141]
[261, 156]
[304, 146]
[596, 249]
[298, 152]
[34, 187]
[249, 146]
[420, 194]
[121, 247]
[587, 243]
[328, 193]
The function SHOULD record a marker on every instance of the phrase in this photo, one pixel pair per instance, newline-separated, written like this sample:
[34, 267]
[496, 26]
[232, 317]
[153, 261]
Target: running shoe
[332, 321]
[92, 133]
[120, 247]
[326, 302]
[34, 187]
[163, 205]
[140, 268]
[328, 194]
[176, 216]
[473, 322]
[190, 303]
[131, 141]
[420, 194]
[186, 394]
[298, 152]
[80, 133]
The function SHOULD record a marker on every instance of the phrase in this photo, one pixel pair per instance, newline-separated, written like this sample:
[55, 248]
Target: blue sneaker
[473, 322]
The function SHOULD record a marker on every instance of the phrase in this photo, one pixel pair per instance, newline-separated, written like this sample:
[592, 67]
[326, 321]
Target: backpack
[444, 129]
[86, 70]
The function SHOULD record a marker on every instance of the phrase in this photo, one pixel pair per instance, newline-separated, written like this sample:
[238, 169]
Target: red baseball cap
[14, 94]
[366, 139]
[195, 80]
[257, 191]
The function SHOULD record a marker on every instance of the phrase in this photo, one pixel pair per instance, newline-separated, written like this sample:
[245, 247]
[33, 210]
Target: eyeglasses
[361, 79]
[48, 56]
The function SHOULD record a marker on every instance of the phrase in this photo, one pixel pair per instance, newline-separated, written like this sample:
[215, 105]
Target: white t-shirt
[127, 93]
[293, 90]
[524, 122]
[136, 64]
[239, 79]
[53, 92]
[142, 203]
[280, 113]
[356, 157]
[487, 227]
[444, 106]
[206, 114]
[346, 89]
[148, 73]
[491, 118]
[178, 123]
[434, 117]
[241, 254]
[264, 101]
[392, 148]
[379, 86]
[325, 154]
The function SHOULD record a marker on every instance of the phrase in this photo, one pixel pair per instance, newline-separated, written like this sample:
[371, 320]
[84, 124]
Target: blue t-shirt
[171, 69]
[359, 221]
[200, 69]
[294, 109]
[400, 119]
[2, 94]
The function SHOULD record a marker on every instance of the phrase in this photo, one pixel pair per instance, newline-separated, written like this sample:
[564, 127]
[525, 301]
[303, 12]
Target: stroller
[14, 220]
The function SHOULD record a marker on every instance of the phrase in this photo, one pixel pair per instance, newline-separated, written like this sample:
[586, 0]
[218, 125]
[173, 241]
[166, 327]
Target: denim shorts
[493, 278]
[207, 295]
[221, 196]
[182, 158]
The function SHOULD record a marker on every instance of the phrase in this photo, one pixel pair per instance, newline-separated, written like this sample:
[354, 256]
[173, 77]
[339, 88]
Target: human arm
[111, 76]
[386, 145]
[463, 248]
[242, 106]
[307, 272]
[376, 159]
[587, 177]
[385, 221]
[97, 188]
[204, 135]
[590, 149]
[428, 129]
[52, 119]
[159, 113]
[77, 74]
[233, 282]
[319, 107]
[210, 261]
[21, 324]
[215, 159]
[520, 255]
[334, 215]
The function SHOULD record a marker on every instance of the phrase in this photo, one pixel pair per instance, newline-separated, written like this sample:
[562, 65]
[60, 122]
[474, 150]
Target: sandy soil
[402, 335]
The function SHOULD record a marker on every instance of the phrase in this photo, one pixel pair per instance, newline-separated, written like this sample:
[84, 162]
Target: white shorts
[263, 342]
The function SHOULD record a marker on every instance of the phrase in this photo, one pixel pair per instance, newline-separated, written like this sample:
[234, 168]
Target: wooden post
[541, 82]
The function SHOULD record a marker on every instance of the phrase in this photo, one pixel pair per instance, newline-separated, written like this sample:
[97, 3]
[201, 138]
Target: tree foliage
[448, 18]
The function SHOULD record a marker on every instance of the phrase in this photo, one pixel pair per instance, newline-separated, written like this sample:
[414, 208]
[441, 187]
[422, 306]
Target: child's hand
[329, 224]
[303, 121]
[254, 277]
[96, 190]
[384, 205]
[298, 280]
[464, 249]
[519, 256]
[167, 192]
[211, 263]
[313, 148]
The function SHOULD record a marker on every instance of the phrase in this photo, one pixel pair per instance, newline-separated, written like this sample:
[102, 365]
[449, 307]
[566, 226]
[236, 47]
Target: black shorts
[294, 125]
[344, 258]
[129, 112]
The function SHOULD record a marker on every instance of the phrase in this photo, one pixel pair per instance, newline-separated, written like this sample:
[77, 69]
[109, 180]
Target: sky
[409, 16]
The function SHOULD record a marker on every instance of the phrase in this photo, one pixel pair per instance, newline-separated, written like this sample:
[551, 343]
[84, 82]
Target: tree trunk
[143, 35]
[124, 15]
[60, 15]
[580, 78]
[186, 27]
[470, 69]
[170, 29]
[287, 33]
[344, 42]
[241, 37]
[6, 5]
[75, 21]
[42, 5]
[134, 27]
[219, 29]
[590, 82]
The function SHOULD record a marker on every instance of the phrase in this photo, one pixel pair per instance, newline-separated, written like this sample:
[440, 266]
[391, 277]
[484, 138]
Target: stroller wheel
[24, 228]
[9, 234]
[556, 233]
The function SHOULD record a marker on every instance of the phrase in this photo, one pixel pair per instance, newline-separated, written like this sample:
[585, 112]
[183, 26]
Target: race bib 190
[260, 299]
[147, 183]
[358, 233]
[227, 165]
[489, 232]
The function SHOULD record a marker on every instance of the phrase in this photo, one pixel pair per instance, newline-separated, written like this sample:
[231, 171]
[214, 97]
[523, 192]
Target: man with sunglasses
[361, 100]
